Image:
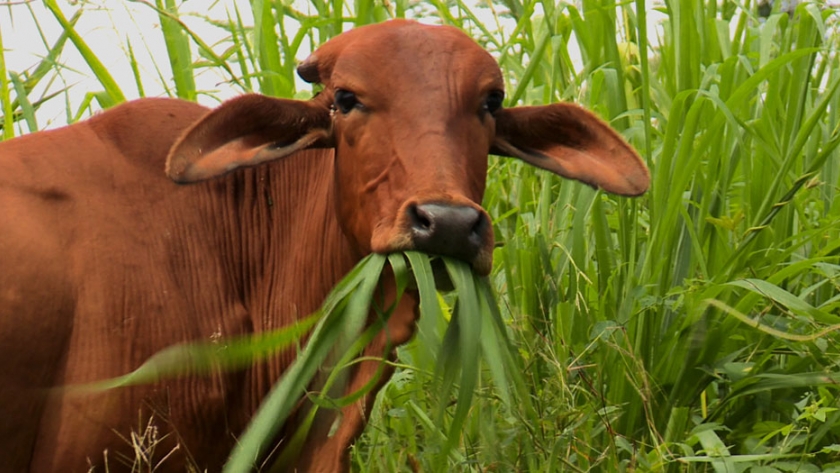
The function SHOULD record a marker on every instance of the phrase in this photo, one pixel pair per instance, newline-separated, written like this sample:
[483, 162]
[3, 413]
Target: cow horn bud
[308, 70]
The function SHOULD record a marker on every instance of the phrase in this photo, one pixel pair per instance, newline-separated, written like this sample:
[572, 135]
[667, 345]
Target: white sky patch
[108, 26]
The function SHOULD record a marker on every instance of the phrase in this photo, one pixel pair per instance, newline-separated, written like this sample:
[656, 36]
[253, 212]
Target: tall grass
[692, 329]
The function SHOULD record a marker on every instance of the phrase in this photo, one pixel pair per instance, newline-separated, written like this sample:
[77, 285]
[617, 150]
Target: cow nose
[449, 230]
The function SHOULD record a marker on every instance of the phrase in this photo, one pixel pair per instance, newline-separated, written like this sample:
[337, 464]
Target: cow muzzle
[457, 231]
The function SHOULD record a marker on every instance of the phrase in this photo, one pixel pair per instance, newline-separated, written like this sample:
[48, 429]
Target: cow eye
[346, 101]
[493, 102]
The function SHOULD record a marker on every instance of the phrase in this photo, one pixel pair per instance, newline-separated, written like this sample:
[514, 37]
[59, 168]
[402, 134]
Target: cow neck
[278, 239]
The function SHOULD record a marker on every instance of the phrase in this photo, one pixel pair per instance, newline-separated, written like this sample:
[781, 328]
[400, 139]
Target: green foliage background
[692, 329]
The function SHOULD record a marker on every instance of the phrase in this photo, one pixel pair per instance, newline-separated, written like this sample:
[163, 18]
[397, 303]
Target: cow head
[412, 112]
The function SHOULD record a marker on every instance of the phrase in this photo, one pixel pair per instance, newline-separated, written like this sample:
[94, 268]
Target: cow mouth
[480, 265]
[442, 279]
[458, 231]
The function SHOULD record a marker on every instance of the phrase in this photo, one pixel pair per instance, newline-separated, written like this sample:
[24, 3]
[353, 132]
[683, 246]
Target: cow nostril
[480, 225]
[420, 219]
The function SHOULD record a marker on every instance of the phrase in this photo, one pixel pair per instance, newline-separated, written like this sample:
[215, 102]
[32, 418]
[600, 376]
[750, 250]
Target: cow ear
[247, 131]
[571, 142]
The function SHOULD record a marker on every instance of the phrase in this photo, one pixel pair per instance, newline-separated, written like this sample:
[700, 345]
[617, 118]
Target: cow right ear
[571, 142]
[247, 131]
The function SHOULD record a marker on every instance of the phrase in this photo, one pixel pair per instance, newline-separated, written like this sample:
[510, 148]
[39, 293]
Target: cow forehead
[397, 55]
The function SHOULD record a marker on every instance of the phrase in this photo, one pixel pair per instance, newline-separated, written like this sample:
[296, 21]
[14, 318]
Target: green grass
[692, 329]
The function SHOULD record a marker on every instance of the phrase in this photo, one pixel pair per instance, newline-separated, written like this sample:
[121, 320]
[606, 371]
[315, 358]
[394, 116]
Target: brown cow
[105, 261]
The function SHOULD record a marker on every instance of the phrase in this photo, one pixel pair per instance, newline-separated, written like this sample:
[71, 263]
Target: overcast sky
[106, 31]
[107, 26]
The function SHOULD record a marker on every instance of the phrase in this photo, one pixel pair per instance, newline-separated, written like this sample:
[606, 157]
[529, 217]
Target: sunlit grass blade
[764, 382]
[429, 307]
[757, 324]
[716, 449]
[135, 70]
[267, 52]
[112, 89]
[468, 319]
[241, 48]
[45, 66]
[5, 95]
[102, 98]
[180, 56]
[280, 401]
[326, 397]
[500, 355]
[786, 299]
[178, 48]
[209, 357]
[27, 110]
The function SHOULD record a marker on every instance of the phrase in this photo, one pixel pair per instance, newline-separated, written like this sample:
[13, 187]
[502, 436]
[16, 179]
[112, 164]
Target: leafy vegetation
[692, 329]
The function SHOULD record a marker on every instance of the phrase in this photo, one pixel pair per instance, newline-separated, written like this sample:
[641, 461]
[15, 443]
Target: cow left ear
[247, 131]
[571, 142]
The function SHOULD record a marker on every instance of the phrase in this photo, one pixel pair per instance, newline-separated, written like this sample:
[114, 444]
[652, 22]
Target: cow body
[105, 261]
[119, 263]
